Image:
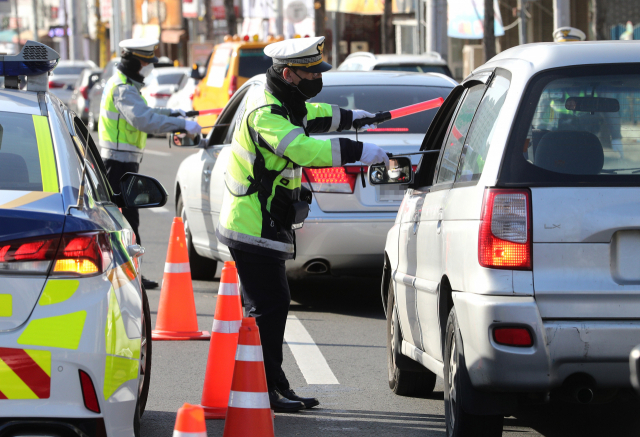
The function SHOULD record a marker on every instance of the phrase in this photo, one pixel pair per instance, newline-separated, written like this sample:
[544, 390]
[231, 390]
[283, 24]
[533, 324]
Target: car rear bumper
[596, 348]
[347, 243]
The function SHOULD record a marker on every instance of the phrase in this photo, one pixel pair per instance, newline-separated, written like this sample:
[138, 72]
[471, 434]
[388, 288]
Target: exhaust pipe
[583, 395]
[317, 267]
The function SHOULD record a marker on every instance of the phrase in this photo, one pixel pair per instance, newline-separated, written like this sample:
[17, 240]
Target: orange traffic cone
[190, 422]
[222, 348]
[249, 412]
[177, 318]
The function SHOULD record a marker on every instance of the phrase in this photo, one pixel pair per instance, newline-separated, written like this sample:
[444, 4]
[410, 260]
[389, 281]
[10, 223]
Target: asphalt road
[344, 318]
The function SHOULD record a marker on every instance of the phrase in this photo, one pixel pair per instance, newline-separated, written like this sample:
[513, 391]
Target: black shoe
[148, 284]
[281, 404]
[292, 396]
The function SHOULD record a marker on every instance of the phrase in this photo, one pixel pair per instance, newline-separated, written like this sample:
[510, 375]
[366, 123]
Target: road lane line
[155, 152]
[310, 360]
[160, 210]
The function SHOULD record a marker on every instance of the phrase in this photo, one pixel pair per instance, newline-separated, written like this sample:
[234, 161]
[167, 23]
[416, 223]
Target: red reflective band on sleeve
[27, 370]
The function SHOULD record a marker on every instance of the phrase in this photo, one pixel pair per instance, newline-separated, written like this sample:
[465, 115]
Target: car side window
[98, 184]
[476, 146]
[452, 147]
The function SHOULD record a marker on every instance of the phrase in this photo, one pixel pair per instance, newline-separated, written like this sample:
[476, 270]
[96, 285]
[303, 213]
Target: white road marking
[310, 360]
[155, 152]
[160, 210]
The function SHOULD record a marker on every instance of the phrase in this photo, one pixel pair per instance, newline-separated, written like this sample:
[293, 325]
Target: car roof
[21, 102]
[357, 78]
[169, 70]
[430, 58]
[543, 56]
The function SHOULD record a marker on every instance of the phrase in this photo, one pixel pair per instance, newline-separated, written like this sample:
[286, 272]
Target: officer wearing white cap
[568, 34]
[126, 119]
[266, 201]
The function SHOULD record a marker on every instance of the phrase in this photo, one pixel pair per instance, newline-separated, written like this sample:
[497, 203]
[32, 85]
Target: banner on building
[260, 18]
[190, 8]
[466, 19]
[369, 7]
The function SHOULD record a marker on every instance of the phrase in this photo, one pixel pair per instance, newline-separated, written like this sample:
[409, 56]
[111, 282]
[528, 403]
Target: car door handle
[135, 250]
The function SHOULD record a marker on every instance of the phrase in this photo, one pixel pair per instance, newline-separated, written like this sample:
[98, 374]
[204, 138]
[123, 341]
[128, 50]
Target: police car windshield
[374, 98]
[20, 158]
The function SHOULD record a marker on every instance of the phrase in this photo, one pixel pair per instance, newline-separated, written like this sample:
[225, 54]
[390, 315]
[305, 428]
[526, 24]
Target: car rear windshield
[415, 68]
[26, 153]
[253, 62]
[579, 127]
[374, 98]
[67, 69]
[168, 79]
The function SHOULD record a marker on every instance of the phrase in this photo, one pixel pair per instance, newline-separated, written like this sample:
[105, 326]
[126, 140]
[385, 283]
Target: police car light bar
[35, 59]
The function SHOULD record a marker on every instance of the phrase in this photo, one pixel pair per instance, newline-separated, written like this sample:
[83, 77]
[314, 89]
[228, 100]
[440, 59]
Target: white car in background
[160, 85]
[63, 78]
[347, 224]
[183, 98]
[426, 63]
[512, 270]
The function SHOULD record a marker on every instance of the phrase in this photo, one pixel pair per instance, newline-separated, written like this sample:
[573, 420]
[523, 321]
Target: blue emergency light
[35, 59]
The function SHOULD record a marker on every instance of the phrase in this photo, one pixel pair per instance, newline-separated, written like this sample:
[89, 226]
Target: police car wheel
[403, 382]
[459, 423]
[145, 356]
[202, 268]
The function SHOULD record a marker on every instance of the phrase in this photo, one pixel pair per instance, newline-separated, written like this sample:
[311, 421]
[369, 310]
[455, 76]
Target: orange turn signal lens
[77, 265]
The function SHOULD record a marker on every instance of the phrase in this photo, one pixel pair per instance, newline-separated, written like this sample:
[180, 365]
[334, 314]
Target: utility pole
[561, 13]
[75, 39]
[208, 19]
[318, 6]
[34, 21]
[599, 12]
[522, 27]
[387, 28]
[489, 31]
[437, 40]
[159, 25]
[17, 25]
[116, 32]
[230, 13]
[279, 17]
[334, 39]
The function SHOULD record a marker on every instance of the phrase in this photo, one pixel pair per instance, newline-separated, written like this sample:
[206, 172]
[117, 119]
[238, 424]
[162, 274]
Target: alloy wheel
[453, 370]
[392, 332]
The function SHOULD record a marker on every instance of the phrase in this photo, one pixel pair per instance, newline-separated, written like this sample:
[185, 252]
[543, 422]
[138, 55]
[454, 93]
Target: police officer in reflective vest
[266, 203]
[125, 119]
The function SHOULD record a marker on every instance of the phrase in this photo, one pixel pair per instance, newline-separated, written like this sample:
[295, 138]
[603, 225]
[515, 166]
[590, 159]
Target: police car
[75, 354]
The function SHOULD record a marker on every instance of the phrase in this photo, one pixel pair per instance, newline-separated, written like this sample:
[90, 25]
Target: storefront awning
[172, 36]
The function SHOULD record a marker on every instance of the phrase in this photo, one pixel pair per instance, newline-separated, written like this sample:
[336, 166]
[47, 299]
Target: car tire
[459, 423]
[92, 125]
[145, 353]
[202, 268]
[403, 382]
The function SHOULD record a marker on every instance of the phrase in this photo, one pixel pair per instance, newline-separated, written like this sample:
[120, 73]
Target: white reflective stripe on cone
[228, 289]
[177, 268]
[226, 327]
[245, 399]
[189, 434]
[249, 353]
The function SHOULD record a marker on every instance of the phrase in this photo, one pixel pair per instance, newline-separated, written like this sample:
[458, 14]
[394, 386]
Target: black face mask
[309, 88]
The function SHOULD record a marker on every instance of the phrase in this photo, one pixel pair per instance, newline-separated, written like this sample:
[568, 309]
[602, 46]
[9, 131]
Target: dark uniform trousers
[266, 295]
[115, 170]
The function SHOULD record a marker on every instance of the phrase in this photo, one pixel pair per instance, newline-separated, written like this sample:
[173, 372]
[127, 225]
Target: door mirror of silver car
[183, 139]
[139, 191]
[400, 171]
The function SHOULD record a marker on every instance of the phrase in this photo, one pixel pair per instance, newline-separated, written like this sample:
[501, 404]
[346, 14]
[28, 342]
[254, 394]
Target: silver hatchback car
[512, 270]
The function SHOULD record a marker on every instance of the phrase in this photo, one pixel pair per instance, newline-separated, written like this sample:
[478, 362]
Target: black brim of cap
[320, 68]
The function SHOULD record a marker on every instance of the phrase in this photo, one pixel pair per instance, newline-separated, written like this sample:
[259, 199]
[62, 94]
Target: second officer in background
[266, 201]
[126, 119]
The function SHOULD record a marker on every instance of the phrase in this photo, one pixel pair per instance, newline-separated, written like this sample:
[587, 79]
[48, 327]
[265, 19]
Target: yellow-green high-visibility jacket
[268, 136]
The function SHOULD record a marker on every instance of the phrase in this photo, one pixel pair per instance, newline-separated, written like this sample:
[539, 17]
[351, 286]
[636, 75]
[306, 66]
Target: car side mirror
[139, 191]
[400, 172]
[183, 139]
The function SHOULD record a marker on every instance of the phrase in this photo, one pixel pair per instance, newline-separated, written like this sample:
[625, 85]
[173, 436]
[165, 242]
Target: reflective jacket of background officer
[126, 119]
[266, 203]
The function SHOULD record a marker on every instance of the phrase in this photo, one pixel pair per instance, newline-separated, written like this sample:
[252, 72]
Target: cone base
[214, 412]
[179, 336]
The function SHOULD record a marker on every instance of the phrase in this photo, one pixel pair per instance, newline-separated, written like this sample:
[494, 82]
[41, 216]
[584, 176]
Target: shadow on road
[349, 296]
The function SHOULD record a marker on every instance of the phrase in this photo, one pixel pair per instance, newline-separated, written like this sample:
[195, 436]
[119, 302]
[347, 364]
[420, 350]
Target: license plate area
[24, 374]
[390, 193]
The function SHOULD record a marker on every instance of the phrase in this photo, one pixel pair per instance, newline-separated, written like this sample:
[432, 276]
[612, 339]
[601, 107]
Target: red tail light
[233, 85]
[160, 95]
[84, 90]
[504, 241]
[520, 337]
[82, 255]
[332, 180]
[29, 256]
[53, 84]
[89, 393]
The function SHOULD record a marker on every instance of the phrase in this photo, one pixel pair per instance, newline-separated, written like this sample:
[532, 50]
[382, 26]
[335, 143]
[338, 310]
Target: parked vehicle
[347, 224]
[183, 98]
[511, 270]
[75, 343]
[162, 83]
[64, 77]
[79, 102]
[231, 64]
[95, 94]
[365, 61]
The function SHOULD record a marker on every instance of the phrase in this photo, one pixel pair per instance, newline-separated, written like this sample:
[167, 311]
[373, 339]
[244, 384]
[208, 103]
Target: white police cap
[566, 34]
[302, 53]
[141, 48]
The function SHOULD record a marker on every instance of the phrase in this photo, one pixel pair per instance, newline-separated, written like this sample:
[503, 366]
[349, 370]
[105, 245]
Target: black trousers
[115, 170]
[266, 295]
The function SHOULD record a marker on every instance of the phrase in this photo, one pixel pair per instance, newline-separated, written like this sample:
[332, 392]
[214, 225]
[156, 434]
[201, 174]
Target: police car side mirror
[400, 171]
[182, 139]
[139, 191]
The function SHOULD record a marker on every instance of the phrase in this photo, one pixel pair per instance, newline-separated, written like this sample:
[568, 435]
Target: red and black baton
[383, 116]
